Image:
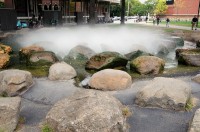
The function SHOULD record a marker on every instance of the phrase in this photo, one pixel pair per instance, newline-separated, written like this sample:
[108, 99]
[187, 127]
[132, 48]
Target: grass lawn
[180, 23]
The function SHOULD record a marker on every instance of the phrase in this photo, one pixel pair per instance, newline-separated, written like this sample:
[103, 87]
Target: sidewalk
[163, 24]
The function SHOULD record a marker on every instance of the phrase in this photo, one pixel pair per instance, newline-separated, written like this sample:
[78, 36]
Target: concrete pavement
[162, 24]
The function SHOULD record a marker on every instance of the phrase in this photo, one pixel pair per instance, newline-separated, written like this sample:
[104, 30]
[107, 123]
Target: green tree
[135, 7]
[2, 5]
[150, 6]
[160, 7]
[115, 10]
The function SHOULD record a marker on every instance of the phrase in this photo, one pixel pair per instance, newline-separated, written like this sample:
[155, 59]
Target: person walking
[167, 22]
[158, 20]
[154, 20]
[146, 19]
[194, 22]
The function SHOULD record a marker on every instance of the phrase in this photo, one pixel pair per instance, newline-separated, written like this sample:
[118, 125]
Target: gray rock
[189, 57]
[42, 58]
[106, 60]
[9, 113]
[178, 40]
[110, 79]
[165, 93]
[133, 55]
[147, 65]
[87, 111]
[196, 78]
[81, 51]
[195, 126]
[4, 60]
[61, 71]
[14, 82]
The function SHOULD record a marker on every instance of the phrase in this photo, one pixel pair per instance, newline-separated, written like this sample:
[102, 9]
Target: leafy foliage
[115, 10]
[2, 5]
[160, 7]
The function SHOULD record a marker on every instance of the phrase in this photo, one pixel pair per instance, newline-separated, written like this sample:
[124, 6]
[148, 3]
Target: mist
[119, 39]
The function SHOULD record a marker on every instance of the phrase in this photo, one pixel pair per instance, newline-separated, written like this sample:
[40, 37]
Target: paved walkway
[131, 21]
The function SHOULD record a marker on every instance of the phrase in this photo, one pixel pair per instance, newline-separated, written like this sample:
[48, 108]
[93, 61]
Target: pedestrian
[33, 22]
[55, 7]
[194, 22]
[158, 20]
[146, 19]
[154, 20]
[40, 20]
[167, 22]
[45, 6]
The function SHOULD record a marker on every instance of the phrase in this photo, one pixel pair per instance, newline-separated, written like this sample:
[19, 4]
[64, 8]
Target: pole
[128, 9]
[122, 11]
[198, 14]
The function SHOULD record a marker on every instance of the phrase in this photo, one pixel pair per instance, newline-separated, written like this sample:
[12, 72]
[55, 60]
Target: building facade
[26, 8]
[182, 9]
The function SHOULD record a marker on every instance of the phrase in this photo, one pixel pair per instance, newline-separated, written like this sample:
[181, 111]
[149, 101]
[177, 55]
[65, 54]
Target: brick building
[182, 9]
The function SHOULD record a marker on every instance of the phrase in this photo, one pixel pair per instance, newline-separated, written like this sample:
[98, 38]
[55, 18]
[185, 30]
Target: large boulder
[26, 51]
[189, 57]
[106, 60]
[195, 125]
[147, 65]
[162, 50]
[133, 55]
[14, 82]
[178, 40]
[81, 52]
[4, 49]
[61, 71]
[4, 60]
[9, 111]
[165, 93]
[87, 111]
[42, 58]
[32, 48]
[110, 79]
[196, 78]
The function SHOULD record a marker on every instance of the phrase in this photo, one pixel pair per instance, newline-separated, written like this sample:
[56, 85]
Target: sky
[142, 1]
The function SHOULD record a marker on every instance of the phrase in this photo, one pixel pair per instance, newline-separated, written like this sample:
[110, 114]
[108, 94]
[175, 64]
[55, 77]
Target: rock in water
[195, 126]
[61, 71]
[165, 93]
[14, 82]
[196, 78]
[4, 60]
[147, 65]
[87, 111]
[189, 57]
[106, 60]
[110, 79]
[9, 113]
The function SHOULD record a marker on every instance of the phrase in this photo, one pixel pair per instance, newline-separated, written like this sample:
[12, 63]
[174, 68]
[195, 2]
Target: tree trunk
[122, 11]
[92, 19]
